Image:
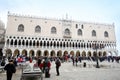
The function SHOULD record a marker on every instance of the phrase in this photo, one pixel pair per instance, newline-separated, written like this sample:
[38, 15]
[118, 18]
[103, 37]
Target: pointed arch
[24, 52]
[78, 53]
[79, 32]
[38, 29]
[30, 43]
[59, 53]
[27, 43]
[99, 54]
[89, 54]
[65, 53]
[106, 34]
[47, 43]
[8, 53]
[38, 53]
[37, 43]
[94, 54]
[72, 53]
[52, 53]
[67, 32]
[53, 30]
[46, 53]
[7, 41]
[104, 53]
[31, 53]
[93, 33]
[34, 43]
[84, 54]
[16, 53]
[11, 43]
[15, 42]
[54, 44]
[23, 42]
[19, 42]
[21, 28]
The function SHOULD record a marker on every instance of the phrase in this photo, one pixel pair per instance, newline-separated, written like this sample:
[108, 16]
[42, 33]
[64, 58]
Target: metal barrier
[1, 68]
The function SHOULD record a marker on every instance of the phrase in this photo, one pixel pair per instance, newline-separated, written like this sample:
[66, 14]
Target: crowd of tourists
[44, 63]
[65, 58]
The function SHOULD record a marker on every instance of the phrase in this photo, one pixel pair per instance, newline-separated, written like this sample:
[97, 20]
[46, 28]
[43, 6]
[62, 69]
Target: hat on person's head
[10, 60]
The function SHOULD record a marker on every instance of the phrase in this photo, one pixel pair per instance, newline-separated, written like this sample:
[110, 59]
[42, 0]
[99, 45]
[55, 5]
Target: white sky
[102, 11]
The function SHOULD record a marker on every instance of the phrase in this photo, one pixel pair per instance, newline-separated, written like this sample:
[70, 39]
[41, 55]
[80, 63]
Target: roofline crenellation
[58, 19]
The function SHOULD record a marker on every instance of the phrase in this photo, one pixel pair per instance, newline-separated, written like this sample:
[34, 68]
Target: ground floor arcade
[53, 53]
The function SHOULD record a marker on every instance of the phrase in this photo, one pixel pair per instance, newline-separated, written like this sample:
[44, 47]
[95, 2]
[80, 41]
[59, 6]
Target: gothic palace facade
[36, 36]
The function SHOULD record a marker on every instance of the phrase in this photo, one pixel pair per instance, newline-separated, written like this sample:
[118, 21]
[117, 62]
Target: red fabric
[41, 65]
[30, 60]
[20, 59]
[49, 64]
[35, 65]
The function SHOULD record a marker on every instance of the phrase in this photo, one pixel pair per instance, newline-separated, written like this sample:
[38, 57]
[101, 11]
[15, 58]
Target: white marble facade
[37, 36]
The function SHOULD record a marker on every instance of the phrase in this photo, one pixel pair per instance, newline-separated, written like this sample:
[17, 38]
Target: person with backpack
[46, 66]
[58, 64]
[10, 69]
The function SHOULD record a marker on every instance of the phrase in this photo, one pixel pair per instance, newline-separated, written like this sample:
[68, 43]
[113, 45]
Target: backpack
[58, 63]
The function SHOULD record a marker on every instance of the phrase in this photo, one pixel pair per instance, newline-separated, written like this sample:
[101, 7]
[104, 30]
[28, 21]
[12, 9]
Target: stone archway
[99, 54]
[8, 53]
[89, 54]
[38, 53]
[83, 54]
[46, 53]
[104, 53]
[78, 53]
[52, 53]
[59, 53]
[16, 53]
[94, 54]
[31, 53]
[65, 53]
[24, 52]
[72, 53]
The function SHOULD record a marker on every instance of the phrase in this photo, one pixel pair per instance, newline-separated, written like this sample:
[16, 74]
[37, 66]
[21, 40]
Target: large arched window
[106, 34]
[37, 29]
[53, 30]
[79, 32]
[67, 31]
[93, 33]
[21, 28]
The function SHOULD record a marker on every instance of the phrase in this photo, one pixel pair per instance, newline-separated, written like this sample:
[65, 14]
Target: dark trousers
[9, 76]
[47, 74]
[57, 70]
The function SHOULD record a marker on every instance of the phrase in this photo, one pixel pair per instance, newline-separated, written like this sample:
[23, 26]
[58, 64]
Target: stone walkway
[108, 71]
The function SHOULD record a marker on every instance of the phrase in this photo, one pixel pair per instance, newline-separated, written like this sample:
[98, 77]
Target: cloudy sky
[101, 11]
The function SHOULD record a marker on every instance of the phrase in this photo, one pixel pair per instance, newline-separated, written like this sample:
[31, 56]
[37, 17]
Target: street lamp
[96, 46]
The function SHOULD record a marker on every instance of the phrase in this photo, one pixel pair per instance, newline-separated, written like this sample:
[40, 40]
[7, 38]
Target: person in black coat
[58, 64]
[10, 69]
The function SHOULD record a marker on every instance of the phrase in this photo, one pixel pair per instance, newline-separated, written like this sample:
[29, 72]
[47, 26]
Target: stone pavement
[108, 71]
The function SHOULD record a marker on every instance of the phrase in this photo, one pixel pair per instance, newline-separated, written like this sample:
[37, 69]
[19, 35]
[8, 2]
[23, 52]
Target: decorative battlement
[48, 18]
[31, 16]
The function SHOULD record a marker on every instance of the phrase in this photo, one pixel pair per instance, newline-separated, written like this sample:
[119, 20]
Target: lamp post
[96, 46]
[97, 65]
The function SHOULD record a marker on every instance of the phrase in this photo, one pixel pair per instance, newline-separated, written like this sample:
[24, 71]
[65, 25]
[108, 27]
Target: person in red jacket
[41, 66]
